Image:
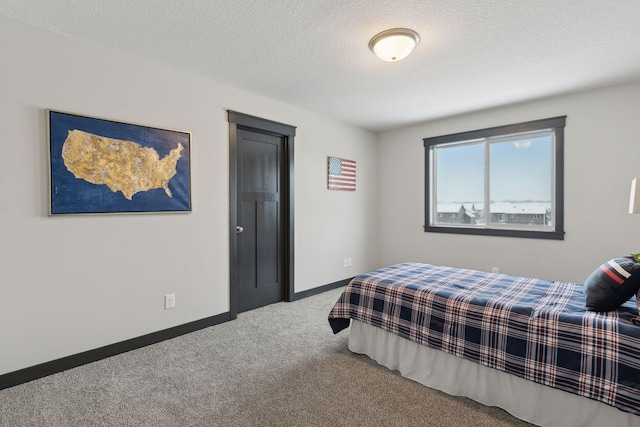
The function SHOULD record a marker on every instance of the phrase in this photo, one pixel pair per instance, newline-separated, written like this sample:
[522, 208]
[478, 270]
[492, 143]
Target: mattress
[534, 329]
[529, 401]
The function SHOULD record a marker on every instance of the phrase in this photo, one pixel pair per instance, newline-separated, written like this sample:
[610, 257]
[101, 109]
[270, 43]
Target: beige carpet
[275, 366]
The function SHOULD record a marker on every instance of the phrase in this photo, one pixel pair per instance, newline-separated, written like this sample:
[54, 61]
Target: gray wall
[71, 284]
[602, 155]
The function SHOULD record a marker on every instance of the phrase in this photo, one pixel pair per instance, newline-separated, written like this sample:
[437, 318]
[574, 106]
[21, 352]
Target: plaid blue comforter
[533, 328]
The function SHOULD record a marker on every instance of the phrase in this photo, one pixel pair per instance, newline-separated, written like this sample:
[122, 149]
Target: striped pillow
[612, 284]
[637, 319]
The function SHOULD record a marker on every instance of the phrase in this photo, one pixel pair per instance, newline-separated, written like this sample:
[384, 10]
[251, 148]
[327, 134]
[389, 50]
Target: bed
[526, 345]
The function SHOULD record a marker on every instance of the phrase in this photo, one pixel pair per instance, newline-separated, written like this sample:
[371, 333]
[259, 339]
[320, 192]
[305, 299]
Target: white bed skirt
[524, 399]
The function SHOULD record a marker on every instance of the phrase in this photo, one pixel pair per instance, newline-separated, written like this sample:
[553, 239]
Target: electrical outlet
[169, 301]
[495, 269]
[345, 262]
[348, 262]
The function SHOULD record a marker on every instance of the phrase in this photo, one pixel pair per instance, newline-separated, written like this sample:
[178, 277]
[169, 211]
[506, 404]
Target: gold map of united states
[120, 165]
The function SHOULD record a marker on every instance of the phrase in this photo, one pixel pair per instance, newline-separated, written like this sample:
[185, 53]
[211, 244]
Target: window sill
[530, 234]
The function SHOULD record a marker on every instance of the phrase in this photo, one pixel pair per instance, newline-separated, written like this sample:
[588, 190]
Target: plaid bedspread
[536, 329]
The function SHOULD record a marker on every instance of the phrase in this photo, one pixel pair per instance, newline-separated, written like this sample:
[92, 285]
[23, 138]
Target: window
[501, 181]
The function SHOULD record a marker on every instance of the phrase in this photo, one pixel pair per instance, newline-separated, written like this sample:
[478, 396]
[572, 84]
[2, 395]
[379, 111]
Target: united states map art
[341, 174]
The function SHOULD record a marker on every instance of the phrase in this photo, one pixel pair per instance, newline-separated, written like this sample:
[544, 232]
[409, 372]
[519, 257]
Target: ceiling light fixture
[395, 44]
[522, 145]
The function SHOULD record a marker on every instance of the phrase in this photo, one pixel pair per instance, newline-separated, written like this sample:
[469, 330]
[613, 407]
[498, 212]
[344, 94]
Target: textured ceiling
[474, 54]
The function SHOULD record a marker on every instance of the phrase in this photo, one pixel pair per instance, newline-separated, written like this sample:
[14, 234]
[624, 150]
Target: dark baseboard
[53, 367]
[320, 289]
[48, 368]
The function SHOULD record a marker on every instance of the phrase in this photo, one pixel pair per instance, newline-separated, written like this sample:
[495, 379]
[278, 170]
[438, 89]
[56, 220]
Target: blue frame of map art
[71, 195]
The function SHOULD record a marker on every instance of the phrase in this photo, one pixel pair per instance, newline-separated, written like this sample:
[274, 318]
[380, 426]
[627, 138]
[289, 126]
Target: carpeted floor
[275, 366]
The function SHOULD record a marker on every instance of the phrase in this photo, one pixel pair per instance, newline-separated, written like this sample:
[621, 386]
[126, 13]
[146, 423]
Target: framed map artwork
[99, 166]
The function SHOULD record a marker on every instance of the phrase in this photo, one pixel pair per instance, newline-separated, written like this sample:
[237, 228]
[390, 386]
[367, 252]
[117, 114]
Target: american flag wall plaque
[341, 174]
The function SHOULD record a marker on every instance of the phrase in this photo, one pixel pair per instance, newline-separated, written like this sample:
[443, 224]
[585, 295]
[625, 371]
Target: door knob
[239, 229]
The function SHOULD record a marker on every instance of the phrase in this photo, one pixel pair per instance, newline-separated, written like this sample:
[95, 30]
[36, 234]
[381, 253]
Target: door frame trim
[287, 133]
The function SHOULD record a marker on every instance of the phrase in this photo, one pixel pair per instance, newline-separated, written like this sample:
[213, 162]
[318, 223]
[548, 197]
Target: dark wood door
[259, 264]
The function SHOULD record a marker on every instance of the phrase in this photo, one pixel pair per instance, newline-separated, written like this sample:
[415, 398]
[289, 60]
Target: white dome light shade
[394, 45]
[522, 145]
